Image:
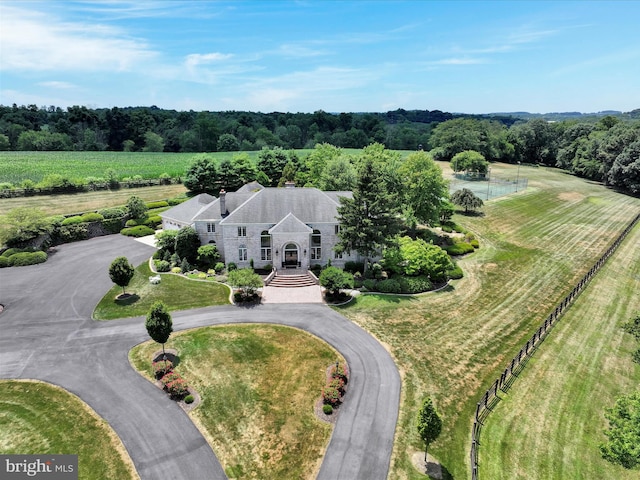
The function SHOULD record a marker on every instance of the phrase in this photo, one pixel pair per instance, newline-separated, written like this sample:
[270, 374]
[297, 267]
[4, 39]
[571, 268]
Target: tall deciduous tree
[202, 176]
[425, 189]
[369, 220]
[121, 272]
[159, 324]
[623, 446]
[136, 207]
[429, 424]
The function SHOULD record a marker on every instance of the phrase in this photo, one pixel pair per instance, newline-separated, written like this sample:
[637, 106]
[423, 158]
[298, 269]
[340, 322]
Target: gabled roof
[232, 201]
[290, 224]
[271, 205]
[185, 212]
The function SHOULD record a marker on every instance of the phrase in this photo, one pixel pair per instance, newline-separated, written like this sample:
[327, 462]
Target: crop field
[18, 166]
[451, 345]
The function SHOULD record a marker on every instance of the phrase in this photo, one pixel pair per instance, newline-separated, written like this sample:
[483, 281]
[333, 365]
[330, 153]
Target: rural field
[555, 410]
[257, 411]
[36, 418]
[451, 345]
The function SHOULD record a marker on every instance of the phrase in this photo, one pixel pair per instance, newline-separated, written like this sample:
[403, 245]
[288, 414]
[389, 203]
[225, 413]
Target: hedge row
[22, 258]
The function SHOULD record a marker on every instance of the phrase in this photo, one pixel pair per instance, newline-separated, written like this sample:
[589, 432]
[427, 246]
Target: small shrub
[219, 267]
[327, 409]
[153, 221]
[162, 266]
[202, 276]
[338, 384]
[370, 285]
[474, 243]
[456, 273]
[92, 217]
[176, 270]
[114, 212]
[447, 228]
[388, 286]
[413, 285]
[162, 368]
[73, 233]
[72, 220]
[26, 258]
[376, 270]
[4, 262]
[189, 399]
[131, 223]
[178, 388]
[231, 267]
[460, 248]
[139, 231]
[340, 371]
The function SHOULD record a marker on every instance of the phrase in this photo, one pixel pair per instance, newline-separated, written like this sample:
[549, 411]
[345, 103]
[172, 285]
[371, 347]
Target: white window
[265, 246]
[211, 228]
[242, 253]
[337, 255]
[242, 231]
[316, 245]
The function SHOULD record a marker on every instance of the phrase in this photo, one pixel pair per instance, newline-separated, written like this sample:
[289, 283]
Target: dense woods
[602, 148]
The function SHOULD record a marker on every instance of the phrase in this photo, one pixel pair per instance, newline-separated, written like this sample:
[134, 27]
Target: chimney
[223, 205]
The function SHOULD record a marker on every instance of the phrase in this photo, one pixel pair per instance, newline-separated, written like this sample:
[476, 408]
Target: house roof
[254, 203]
[186, 211]
[289, 224]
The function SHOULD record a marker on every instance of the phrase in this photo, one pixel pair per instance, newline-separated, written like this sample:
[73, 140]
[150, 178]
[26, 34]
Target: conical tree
[429, 424]
[368, 221]
[159, 324]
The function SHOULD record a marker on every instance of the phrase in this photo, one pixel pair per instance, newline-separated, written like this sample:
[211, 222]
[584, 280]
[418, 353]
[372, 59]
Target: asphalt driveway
[46, 333]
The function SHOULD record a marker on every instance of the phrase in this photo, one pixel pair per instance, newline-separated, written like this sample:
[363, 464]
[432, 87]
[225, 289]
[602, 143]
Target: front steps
[283, 280]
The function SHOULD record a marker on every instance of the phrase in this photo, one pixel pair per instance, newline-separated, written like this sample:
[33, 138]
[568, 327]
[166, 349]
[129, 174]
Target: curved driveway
[46, 333]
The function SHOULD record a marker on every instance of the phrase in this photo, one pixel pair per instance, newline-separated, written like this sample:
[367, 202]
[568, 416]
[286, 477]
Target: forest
[601, 148]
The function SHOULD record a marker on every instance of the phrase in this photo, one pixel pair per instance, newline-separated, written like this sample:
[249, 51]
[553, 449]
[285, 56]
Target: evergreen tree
[369, 220]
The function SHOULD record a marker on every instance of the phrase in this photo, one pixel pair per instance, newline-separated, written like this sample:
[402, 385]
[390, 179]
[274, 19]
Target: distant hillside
[560, 116]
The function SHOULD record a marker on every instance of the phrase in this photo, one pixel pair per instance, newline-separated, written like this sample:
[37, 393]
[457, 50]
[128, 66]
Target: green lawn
[259, 385]
[452, 345]
[36, 418]
[555, 410]
[177, 292]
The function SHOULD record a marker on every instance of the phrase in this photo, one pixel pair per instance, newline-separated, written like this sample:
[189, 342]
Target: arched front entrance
[291, 256]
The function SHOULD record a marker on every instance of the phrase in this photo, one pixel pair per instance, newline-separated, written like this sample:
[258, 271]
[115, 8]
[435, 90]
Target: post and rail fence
[507, 377]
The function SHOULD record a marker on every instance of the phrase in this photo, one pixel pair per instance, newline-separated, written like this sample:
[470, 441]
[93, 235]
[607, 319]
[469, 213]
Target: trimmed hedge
[153, 221]
[26, 258]
[114, 212]
[72, 220]
[4, 262]
[92, 217]
[456, 273]
[139, 231]
[160, 204]
[460, 248]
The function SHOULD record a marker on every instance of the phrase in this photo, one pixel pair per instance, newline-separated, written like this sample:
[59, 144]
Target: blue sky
[338, 56]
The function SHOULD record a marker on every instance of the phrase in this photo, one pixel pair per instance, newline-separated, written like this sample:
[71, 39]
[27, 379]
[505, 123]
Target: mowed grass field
[259, 385]
[551, 422]
[452, 345]
[40, 418]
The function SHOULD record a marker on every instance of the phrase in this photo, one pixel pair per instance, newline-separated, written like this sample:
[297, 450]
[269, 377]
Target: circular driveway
[47, 334]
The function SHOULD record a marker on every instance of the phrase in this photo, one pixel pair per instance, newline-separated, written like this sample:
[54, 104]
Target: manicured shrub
[460, 248]
[4, 262]
[388, 286]
[153, 221]
[162, 266]
[412, 285]
[338, 384]
[176, 270]
[114, 212]
[340, 371]
[176, 201]
[131, 223]
[456, 273]
[159, 204]
[92, 217]
[11, 251]
[139, 231]
[327, 409]
[161, 368]
[26, 258]
[231, 267]
[370, 285]
[189, 399]
[72, 220]
[474, 243]
[175, 385]
[219, 267]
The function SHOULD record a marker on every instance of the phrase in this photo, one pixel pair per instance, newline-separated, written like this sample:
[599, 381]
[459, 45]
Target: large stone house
[283, 227]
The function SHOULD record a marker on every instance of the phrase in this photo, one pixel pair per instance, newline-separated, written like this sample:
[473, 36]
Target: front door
[291, 255]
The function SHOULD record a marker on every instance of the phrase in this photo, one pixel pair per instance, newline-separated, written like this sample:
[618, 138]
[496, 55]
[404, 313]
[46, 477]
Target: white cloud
[34, 41]
[57, 85]
[196, 59]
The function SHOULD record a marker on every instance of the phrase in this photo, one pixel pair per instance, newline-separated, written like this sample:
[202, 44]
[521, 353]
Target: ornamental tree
[335, 279]
[159, 324]
[121, 272]
[467, 199]
[136, 207]
[429, 424]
